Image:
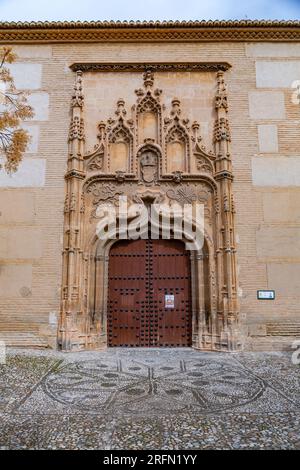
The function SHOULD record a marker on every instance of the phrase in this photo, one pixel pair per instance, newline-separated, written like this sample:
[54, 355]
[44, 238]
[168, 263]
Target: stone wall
[265, 126]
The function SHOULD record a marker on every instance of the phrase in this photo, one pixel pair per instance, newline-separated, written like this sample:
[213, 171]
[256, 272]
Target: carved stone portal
[151, 154]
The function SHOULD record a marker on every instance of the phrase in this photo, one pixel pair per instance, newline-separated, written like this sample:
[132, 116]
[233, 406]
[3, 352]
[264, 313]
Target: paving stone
[149, 399]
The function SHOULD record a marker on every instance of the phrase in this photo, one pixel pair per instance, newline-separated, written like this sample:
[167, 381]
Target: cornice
[154, 66]
[153, 31]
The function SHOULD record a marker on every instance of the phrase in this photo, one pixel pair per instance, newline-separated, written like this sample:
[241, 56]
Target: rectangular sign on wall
[169, 301]
[266, 294]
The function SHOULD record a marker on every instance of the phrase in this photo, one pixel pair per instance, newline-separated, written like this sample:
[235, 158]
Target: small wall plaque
[266, 294]
[169, 301]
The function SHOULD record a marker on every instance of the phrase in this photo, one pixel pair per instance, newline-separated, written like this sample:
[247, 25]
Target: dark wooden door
[149, 294]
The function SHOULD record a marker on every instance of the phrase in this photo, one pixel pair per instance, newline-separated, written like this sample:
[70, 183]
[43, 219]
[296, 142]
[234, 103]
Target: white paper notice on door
[169, 301]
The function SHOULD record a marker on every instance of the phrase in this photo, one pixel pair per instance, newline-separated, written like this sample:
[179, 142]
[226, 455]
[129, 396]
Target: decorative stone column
[226, 262]
[73, 275]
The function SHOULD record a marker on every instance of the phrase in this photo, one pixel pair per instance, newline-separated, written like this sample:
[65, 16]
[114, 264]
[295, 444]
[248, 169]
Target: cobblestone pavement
[149, 399]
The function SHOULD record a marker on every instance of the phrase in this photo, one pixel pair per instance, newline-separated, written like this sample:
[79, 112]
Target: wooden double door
[149, 294]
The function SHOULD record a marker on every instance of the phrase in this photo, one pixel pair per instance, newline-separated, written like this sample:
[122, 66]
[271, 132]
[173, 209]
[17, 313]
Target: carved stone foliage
[103, 193]
[222, 130]
[176, 144]
[96, 163]
[76, 129]
[167, 193]
[183, 195]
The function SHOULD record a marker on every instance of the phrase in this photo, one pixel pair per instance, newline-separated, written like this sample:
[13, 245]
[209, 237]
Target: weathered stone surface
[284, 278]
[278, 242]
[267, 138]
[40, 103]
[20, 243]
[17, 207]
[277, 74]
[276, 171]
[39, 51]
[26, 76]
[31, 174]
[269, 49]
[257, 330]
[13, 278]
[34, 132]
[266, 105]
[282, 206]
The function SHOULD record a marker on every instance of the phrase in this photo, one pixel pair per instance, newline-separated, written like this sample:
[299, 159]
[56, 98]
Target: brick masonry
[266, 163]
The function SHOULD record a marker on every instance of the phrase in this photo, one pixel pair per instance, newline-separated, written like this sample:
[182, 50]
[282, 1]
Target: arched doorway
[95, 194]
[149, 294]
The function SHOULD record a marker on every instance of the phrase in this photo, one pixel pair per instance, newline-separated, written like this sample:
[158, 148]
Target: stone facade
[38, 298]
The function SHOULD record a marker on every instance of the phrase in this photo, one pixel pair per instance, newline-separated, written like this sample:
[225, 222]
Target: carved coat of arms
[149, 167]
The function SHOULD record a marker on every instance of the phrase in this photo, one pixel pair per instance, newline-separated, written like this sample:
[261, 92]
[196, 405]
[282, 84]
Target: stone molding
[172, 31]
[153, 66]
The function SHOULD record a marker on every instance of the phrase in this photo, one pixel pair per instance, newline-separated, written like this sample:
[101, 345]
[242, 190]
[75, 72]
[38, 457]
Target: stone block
[267, 138]
[278, 242]
[40, 103]
[26, 76]
[34, 132]
[15, 279]
[276, 171]
[277, 74]
[266, 105]
[17, 207]
[20, 243]
[284, 278]
[269, 49]
[282, 206]
[37, 51]
[30, 174]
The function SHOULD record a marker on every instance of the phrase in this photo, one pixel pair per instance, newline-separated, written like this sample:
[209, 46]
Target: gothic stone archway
[163, 162]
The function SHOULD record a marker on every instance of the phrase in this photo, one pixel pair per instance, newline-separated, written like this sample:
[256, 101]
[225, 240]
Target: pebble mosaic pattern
[149, 399]
[136, 387]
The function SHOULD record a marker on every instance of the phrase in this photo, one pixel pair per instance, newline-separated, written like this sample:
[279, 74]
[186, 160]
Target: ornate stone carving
[177, 176]
[76, 129]
[72, 206]
[103, 193]
[221, 96]
[96, 163]
[144, 177]
[149, 165]
[120, 133]
[222, 130]
[183, 195]
[153, 66]
[66, 204]
[95, 159]
[120, 176]
[77, 97]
